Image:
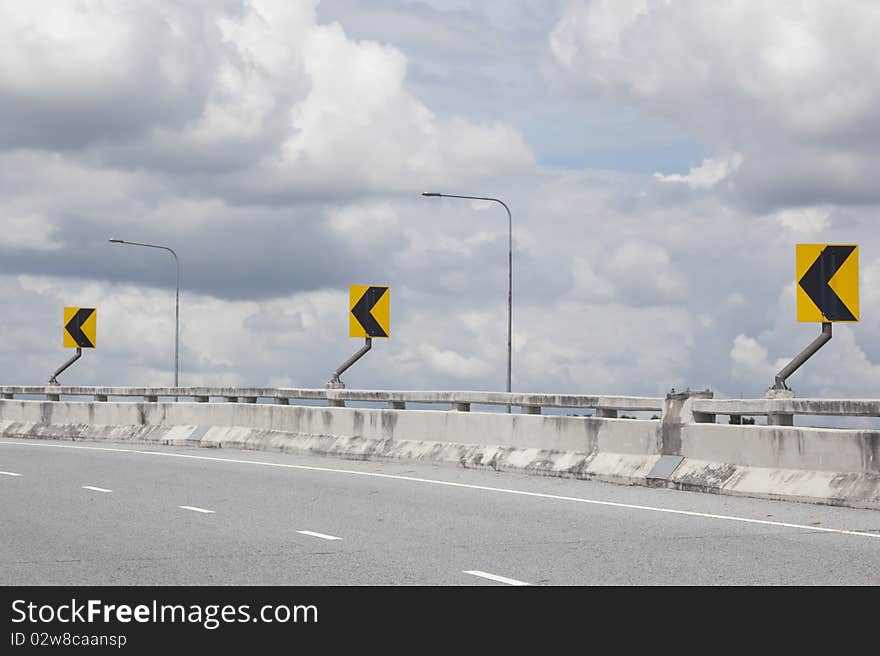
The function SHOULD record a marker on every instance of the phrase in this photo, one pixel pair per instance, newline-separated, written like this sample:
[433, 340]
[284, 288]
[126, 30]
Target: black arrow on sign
[362, 308]
[815, 283]
[74, 327]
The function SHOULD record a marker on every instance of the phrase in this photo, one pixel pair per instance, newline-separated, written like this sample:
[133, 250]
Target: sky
[660, 158]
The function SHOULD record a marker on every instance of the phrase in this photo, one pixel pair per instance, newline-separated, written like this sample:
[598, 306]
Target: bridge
[267, 485]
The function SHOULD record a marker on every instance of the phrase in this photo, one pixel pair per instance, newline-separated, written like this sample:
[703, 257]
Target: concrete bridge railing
[704, 409]
[605, 406]
[682, 445]
[781, 411]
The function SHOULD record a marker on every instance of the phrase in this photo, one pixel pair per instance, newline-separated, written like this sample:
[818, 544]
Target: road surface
[98, 514]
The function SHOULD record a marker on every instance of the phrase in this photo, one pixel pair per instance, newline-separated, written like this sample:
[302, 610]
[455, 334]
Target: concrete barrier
[685, 448]
[821, 465]
[558, 445]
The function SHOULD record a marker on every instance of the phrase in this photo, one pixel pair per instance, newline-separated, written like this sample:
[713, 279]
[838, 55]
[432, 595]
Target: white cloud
[708, 174]
[261, 92]
[454, 364]
[805, 221]
[645, 272]
[588, 284]
[749, 359]
[29, 230]
[791, 86]
[363, 222]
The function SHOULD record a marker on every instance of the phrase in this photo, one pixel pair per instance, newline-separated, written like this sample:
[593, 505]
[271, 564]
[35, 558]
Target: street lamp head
[430, 193]
[116, 241]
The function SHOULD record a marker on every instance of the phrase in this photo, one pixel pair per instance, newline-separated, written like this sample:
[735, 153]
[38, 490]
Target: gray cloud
[283, 160]
[75, 74]
[790, 87]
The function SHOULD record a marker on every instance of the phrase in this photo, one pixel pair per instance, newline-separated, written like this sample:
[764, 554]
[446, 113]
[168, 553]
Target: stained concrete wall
[559, 433]
[800, 464]
[817, 449]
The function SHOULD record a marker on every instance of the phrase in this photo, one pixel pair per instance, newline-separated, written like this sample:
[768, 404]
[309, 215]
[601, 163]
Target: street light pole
[509, 268]
[176, 303]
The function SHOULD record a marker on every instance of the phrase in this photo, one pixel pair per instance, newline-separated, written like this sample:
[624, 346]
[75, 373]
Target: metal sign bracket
[54, 379]
[335, 382]
[802, 357]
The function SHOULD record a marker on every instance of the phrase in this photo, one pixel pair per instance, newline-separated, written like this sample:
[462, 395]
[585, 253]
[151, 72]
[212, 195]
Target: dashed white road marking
[323, 536]
[197, 509]
[485, 488]
[493, 577]
[9, 473]
[95, 489]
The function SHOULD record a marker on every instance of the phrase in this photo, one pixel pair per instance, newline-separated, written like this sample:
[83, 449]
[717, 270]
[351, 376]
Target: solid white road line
[323, 536]
[196, 509]
[501, 490]
[95, 489]
[9, 473]
[493, 577]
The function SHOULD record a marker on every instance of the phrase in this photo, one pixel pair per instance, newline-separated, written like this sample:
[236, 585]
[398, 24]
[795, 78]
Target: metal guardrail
[605, 406]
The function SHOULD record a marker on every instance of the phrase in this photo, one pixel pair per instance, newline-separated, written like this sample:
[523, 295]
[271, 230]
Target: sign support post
[53, 380]
[803, 356]
[335, 383]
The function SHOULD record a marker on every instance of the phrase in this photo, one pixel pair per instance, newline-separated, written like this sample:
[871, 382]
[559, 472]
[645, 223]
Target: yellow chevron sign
[827, 282]
[80, 327]
[369, 311]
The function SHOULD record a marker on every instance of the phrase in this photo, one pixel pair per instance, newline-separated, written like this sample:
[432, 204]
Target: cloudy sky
[661, 159]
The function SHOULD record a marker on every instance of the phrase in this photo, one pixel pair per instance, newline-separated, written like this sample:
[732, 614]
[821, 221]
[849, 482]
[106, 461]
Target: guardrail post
[397, 405]
[530, 409]
[675, 415]
[607, 413]
[776, 418]
[461, 407]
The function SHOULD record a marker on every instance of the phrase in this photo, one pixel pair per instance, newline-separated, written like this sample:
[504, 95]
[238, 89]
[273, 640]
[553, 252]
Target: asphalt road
[93, 514]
